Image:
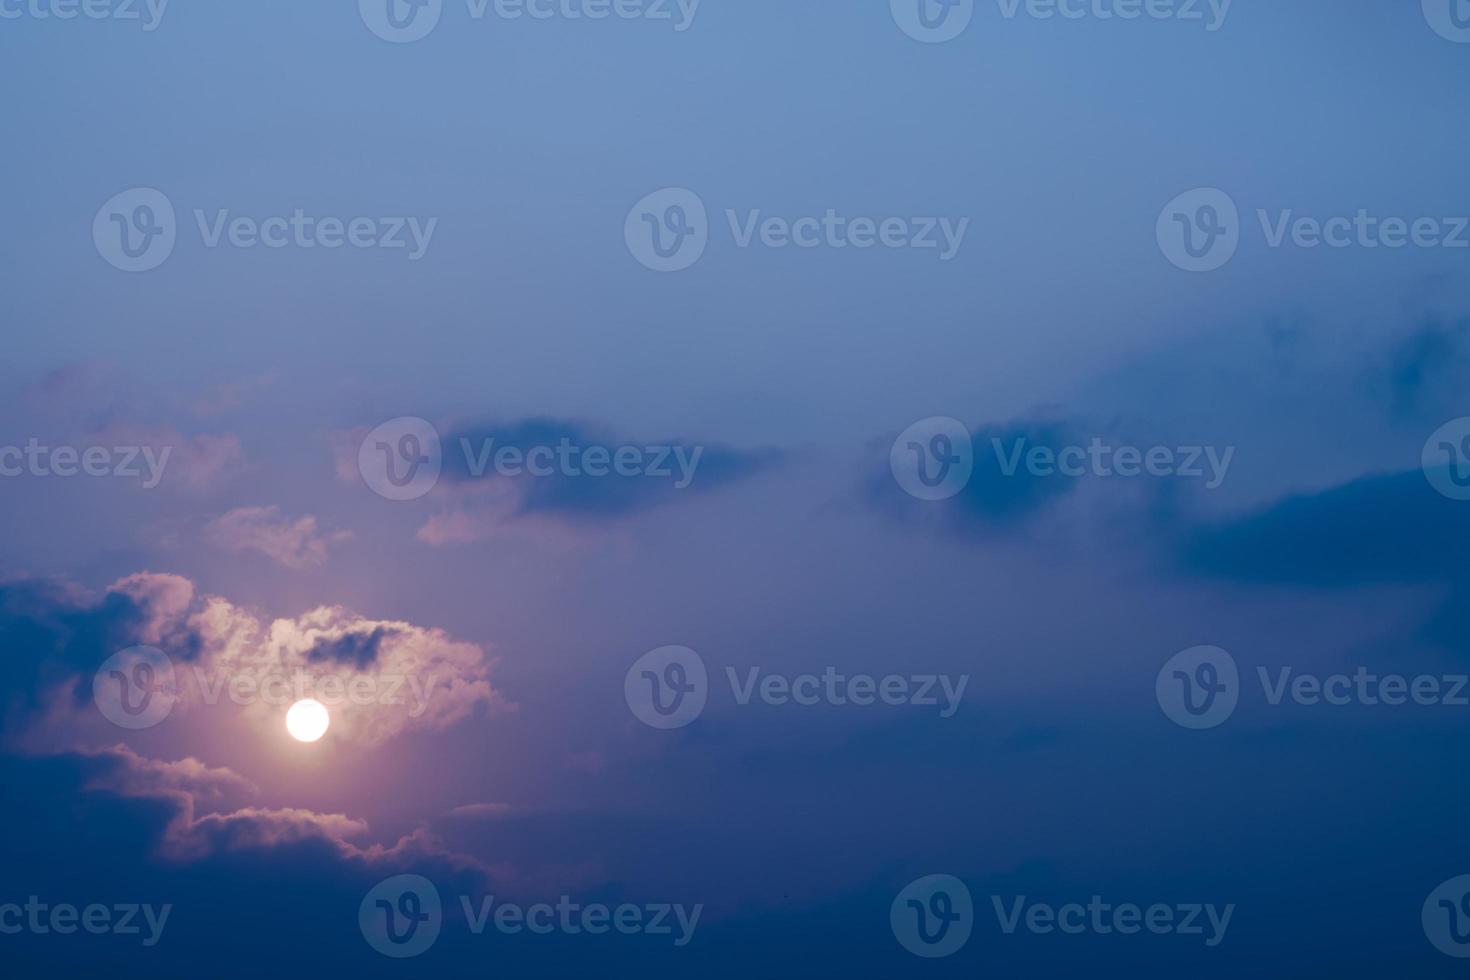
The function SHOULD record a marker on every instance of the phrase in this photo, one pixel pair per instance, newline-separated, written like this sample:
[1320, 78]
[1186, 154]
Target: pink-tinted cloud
[295, 543]
[194, 464]
[202, 825]
[393, 676]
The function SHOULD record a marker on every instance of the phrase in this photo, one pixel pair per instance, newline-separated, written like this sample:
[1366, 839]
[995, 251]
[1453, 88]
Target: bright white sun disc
[307, 720]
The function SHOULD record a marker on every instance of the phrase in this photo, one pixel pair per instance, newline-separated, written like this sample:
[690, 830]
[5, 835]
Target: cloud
[295, 544]
[257, 828]
[1423, 367]
[195, 464]
[993, 501]
[55, 635]
[380, 678]
[231, 395]
[203, 818]
[1382, 529]
[200, 822]
[121, 770]
[565, 473]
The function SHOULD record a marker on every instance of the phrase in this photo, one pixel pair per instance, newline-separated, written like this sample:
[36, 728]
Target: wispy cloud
[298, 543]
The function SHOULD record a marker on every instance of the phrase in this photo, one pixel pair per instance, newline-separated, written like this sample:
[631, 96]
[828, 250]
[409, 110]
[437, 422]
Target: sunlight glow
[307, 720]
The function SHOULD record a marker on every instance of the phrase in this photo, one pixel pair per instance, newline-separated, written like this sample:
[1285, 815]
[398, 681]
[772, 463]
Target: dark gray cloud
[1423, 368]
[668, 468]
[360, 649]
[1385, 529]
[50, 632]
[993, 501]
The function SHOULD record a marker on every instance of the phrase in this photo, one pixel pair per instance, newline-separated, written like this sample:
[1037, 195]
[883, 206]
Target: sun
[307, 720]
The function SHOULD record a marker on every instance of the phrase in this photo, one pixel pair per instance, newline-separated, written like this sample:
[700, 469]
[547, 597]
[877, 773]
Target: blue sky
[522, 316]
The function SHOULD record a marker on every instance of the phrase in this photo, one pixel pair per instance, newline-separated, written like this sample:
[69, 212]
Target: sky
[760, 489]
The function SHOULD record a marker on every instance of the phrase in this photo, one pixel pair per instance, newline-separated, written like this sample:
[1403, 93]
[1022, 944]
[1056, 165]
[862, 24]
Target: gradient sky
[1323, 549]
